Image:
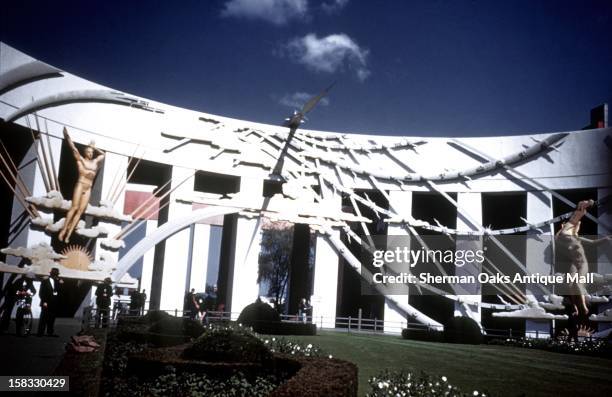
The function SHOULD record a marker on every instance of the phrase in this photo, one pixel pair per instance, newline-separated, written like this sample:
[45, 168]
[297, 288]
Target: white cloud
[597, 299]
[106, 211]
[53, 200]
[606, 316]
[112, 244]
[531, 311]
[553, 302]
[278, 12]
[42, 252]
[93, 232]
[329, 54]
[298, 99]
[333, 6]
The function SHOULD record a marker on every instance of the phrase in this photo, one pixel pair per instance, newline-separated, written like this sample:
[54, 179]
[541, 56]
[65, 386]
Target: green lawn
[503, 371]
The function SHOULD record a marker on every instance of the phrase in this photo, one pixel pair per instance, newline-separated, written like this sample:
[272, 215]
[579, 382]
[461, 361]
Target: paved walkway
[33, 355]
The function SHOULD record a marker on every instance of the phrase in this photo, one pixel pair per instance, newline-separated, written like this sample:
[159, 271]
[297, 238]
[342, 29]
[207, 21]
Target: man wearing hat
[104, 293]
[50, 291]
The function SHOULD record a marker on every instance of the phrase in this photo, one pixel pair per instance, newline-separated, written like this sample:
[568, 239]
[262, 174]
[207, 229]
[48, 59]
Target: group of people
[137, 302]
[197, 305]
[304, 310]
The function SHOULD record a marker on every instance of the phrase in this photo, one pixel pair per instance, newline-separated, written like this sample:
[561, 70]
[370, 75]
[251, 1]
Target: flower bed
[319, 376]
[402, 383]
[596, 347]
[213, 366]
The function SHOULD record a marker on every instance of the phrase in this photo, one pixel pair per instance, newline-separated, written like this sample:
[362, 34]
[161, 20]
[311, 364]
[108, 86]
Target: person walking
[104, 293]
[143, 301]
[191, 306]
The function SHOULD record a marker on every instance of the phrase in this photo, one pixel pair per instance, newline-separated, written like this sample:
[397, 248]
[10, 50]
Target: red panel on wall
[136, 200]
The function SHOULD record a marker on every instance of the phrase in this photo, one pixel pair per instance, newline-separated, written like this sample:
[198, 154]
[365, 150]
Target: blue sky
[425, 68]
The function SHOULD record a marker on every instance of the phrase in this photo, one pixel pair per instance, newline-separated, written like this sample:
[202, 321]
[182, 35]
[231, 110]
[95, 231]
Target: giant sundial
[318, 171]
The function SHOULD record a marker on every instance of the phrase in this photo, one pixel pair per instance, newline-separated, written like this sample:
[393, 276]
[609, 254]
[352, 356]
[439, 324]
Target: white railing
[340, 324]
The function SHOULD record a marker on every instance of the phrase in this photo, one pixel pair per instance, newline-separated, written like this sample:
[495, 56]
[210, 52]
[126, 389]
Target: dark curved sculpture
[82, 96]
[25, 74]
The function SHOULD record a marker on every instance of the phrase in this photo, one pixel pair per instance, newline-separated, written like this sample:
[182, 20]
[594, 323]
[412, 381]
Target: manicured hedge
[284, 328]
[320, 377]
[257, 311]
[462, 330]
[159, 329]
[177, 326]
[427, 335]
[155, 362]
[218, 356]
[228, 345]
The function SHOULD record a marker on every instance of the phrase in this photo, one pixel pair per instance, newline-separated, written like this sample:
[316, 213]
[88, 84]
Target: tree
[275, 258]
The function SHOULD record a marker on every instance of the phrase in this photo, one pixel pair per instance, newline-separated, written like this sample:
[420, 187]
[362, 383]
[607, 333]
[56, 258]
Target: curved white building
[218, 172]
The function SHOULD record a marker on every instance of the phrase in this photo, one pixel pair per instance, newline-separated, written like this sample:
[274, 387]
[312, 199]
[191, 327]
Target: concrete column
[325, 289]
[245, 288]
[401, 203]
[299, 282]
[147, 265]
[176, 254]
[469, 218]
[604, 262]
[32, 176]
[199, 260]
[539, 254]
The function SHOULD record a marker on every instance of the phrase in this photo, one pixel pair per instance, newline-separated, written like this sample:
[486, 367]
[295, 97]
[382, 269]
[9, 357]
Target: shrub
[228, 345]
[320, 377]
[462, 330]
[177, 326]
[156, 315]
[407, 384]
[427, 335]
[257, 311]
[284, 328]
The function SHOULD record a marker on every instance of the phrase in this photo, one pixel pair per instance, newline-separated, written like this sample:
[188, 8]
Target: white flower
[330, 356]
[444, 379]
[475, 393]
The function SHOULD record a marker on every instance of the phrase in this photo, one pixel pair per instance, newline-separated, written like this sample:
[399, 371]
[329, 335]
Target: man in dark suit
[50, 289]
[104, 293]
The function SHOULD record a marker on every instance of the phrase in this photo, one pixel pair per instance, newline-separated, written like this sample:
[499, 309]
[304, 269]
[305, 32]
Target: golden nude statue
[571, 245]
[88, 168]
